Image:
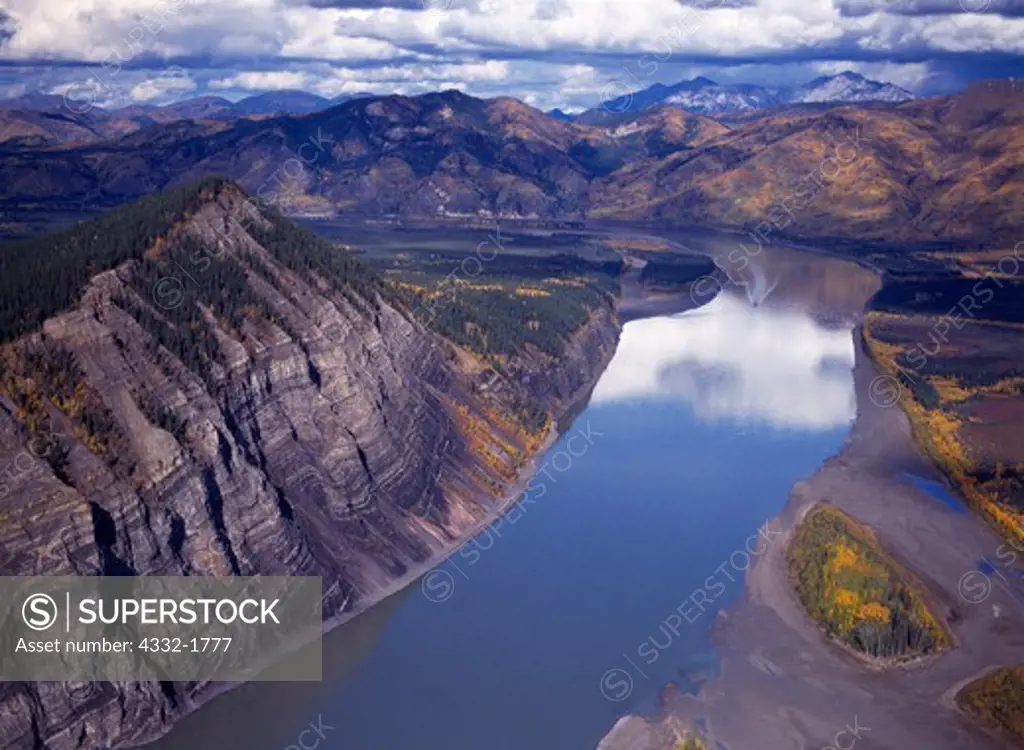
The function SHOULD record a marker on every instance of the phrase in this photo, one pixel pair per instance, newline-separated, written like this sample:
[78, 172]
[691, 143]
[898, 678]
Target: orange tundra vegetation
[997, 700]
[938, 430]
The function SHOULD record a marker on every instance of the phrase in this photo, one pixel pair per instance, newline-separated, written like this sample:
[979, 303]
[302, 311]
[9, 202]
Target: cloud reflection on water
[731, 360]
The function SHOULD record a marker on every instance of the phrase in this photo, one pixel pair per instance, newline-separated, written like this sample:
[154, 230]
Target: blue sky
[570, 53]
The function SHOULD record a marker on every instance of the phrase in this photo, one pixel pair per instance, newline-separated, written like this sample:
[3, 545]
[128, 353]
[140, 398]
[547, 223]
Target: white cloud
[162, 88]
[128, 87]
[89, 90]
[334, 50]
[125, 30]
[117, 31]
[407, 79]
[962, 32]
[95, 29]
[263, 80]
[569, 87]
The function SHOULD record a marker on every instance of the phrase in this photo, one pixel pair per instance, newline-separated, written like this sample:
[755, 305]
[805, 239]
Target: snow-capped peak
[849, 87]
[706, 97]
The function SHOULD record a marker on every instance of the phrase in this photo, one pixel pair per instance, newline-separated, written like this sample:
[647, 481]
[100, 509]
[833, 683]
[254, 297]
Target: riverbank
[782, 684]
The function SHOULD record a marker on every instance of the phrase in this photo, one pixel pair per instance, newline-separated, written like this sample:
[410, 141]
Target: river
[602, 586]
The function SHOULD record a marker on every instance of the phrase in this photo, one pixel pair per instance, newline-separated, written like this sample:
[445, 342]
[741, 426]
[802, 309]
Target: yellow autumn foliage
[949, 389]
[938, 431]
[874, 611]
[847, 580]
[842, 557]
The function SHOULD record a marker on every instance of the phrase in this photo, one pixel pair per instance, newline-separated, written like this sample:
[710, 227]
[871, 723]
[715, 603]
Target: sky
[549, 53]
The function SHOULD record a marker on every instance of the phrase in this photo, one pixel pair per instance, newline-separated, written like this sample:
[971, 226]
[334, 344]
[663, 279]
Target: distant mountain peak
[565, 115]
[37, 101]
[342, 98]
[449, 95]
[706, 97]
[848, 87]
[208, 99]
[284, 101]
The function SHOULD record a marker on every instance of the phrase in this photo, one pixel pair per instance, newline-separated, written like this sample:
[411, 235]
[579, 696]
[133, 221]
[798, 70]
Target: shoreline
[398, 585]
[625, 309]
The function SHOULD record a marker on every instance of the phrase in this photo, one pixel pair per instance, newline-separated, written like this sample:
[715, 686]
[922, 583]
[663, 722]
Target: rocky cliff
[247, 415]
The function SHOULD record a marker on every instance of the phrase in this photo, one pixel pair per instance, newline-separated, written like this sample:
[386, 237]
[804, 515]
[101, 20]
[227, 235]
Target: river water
[602, 586]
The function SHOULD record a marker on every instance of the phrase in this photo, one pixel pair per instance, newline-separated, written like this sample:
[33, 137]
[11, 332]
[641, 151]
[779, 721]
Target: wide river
[587, 600]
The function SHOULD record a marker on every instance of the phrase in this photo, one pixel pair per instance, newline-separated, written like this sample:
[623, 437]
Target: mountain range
[700, 95]
[284, 102]
[946, 168]
[47, 119]
[704, 96]
[285, 411]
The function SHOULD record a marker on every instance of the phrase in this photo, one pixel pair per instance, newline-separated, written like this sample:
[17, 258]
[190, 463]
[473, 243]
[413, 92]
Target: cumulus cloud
[88, 90]
[93, 29]
[569, 87]
[413, 79]
[549, 52]
[964, 33]
[127, 30]
[487, 77]
[260, 80]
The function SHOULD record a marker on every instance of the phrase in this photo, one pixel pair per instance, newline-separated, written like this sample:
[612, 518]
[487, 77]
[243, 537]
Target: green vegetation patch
[184, 289]
[317, 260]
[665, 271]
[857, 592]
[997, 700]
[44, 276]
[510, 303]
[53, 400]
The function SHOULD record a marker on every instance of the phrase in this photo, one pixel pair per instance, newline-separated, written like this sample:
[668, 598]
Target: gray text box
[153, 628]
